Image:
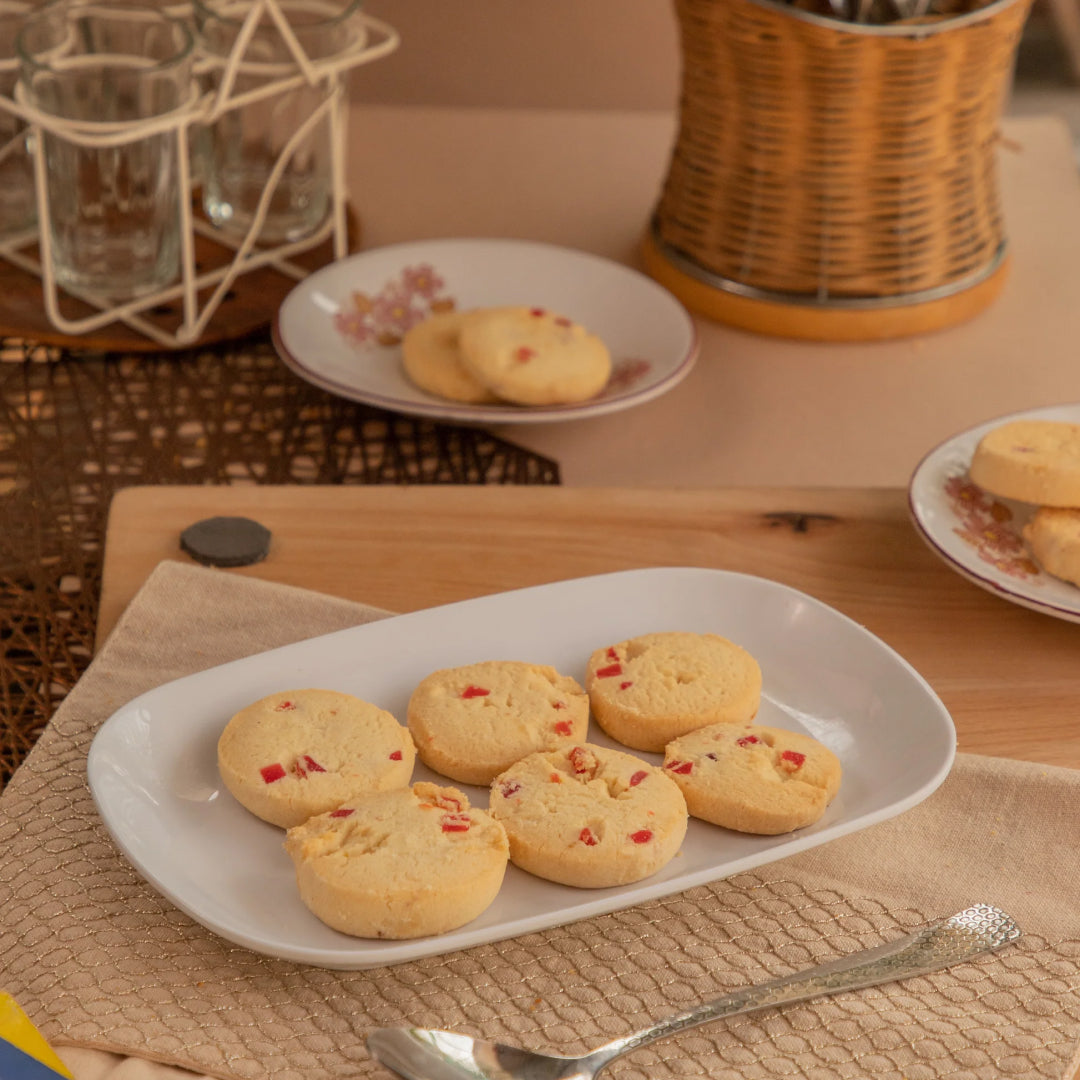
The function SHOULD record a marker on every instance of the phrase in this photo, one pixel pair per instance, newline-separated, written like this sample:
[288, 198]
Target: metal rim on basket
[898, 29]
[824, 301]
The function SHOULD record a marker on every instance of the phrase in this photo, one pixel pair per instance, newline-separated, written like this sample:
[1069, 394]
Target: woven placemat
[75, 428]
[99, 959]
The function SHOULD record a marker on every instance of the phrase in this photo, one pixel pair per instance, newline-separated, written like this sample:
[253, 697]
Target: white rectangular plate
[153, 766]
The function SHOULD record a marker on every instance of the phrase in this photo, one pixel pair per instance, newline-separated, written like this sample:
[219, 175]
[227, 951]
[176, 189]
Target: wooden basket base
[810, 323]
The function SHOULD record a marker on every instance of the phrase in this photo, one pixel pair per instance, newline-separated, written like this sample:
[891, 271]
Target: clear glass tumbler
[114, 211]
[18, 206]
[242, 146]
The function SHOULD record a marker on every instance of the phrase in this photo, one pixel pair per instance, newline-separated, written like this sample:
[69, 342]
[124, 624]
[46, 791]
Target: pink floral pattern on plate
[383, 318]
[988, 525]
[404, 301]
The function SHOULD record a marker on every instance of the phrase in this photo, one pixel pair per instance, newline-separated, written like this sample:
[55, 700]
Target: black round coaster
[226, 541]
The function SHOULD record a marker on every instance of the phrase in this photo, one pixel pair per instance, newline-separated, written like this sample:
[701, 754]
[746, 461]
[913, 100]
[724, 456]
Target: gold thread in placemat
[99, 959]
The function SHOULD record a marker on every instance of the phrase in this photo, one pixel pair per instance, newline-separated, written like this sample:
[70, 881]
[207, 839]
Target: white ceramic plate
[979, 535]
[340, 328]
[153, 771]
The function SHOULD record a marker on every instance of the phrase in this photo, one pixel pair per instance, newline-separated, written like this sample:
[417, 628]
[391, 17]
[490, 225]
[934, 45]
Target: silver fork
[427, 1054]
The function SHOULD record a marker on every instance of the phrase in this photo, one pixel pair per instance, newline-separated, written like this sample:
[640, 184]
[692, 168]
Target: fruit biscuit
[531, 356]
[754, 779]
[470, 723]
[431, 357]
[301, 752]
[399, 864]
[588, 816]
[651, 689]
[1034, 461]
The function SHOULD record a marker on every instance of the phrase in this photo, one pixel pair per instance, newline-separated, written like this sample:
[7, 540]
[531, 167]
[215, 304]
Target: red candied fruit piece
[312, 764]
[682, 767]
[299, 770]
[626, 685]
[448, 802]
[588, 837]
[636, 779]
[395, 755]
[564, 727]
[582, 761]
[747, 740]
[523, 354]
[611, 653]
[475, 691]
[558, 704]
[508, 788]
[609, 672]
[792, 759]
[642, 836]
[455, 822]
[536, 312]
[285, 706]
[342, 811]
[270, 773]
[555, 778]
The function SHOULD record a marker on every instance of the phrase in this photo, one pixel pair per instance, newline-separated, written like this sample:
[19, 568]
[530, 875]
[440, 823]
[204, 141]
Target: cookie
[653, 688]
[588, 816]
[431, 357]
[1035, 461]
[752, 778]
[399, 864]
[1053, 537]
[470, 723]
[531, 356]
[301, 752]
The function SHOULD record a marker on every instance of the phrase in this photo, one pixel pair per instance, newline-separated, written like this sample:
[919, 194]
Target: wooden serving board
[1009, 676]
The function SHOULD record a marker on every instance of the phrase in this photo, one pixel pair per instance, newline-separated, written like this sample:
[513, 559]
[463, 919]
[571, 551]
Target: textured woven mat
[99, 959]
[74, 429]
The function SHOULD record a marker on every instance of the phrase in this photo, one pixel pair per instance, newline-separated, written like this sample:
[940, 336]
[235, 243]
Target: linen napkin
[98, 959]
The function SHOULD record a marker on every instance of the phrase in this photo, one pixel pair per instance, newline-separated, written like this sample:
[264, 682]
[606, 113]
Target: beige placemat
[101, 960]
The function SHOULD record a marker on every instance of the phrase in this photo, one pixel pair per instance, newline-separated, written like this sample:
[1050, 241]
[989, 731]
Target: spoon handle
[965, 935]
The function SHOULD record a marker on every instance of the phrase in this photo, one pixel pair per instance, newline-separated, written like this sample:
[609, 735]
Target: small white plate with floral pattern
[981, 535]
[341, 328]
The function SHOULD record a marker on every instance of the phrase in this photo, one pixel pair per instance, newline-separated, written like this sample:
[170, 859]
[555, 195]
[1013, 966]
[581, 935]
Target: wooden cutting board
[1010, 677]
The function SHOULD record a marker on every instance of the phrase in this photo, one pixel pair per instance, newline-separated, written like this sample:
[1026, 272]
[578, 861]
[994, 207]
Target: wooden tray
[1008, 675]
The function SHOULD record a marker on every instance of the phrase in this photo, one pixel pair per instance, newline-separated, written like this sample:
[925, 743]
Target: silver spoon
[425, 1054]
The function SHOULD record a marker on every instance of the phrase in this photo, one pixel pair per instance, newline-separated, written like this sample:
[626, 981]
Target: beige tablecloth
[101, 961]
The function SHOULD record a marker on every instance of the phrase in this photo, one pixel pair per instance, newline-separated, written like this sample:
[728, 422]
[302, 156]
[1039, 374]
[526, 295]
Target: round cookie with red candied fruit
[651, 689]
[299, 753]
[399, 864]
[532, 356]
[431, 356]
[470, 723]
[1034, 461]
[589, 816]
[752, 778]
[1053, 537]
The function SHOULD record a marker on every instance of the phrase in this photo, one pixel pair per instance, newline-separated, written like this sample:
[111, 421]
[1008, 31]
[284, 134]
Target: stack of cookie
[1038, 462]
[506, 355]
[376, 857]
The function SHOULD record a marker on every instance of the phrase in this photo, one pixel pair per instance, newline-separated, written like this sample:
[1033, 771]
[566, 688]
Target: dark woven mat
[74, 429]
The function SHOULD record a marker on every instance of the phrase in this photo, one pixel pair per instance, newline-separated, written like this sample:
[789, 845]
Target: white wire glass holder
[373, 40]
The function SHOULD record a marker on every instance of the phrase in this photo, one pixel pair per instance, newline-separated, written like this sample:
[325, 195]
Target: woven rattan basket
[836, 180]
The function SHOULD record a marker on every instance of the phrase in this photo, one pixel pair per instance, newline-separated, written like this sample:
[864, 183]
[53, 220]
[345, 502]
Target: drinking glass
[113, 210]
[18, 208]
[243, 144]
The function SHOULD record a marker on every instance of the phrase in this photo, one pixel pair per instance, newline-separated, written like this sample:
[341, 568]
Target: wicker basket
[833, 179]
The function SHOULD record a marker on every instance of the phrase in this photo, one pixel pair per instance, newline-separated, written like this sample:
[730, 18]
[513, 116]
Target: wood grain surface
[1009, 676]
